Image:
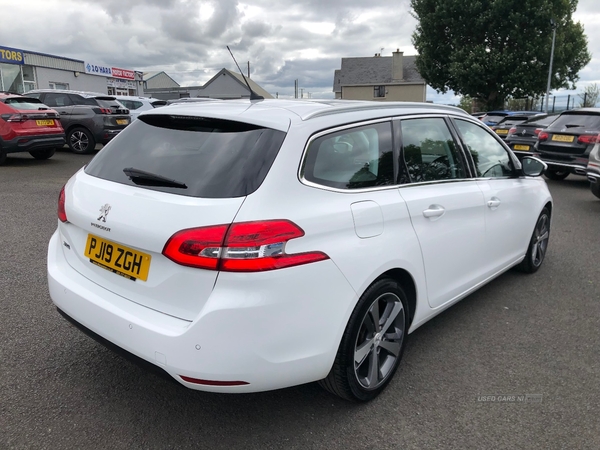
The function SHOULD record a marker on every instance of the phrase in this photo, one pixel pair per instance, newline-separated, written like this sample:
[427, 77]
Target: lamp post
[553, 25]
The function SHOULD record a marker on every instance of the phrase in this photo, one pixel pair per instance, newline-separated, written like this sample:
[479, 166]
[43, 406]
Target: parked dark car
[503, 127]
[566, 144]
[27, 125]
[87, 117]
[492, 118]
[522, 136]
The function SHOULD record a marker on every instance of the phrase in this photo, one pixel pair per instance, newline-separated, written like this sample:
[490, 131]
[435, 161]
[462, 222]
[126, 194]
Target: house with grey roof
[380, 78]
[224, 85]
[158, 80]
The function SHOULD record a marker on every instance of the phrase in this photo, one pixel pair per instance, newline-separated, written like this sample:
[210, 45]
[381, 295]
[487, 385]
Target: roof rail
[369, 106]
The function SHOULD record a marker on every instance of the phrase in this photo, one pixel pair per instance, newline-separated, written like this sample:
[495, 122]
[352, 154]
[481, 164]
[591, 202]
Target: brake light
[102, 110]
[62, 214]
[588, 139]
[239, 247]
[543, 136]
[513, 130]
[537, 131]
[15, 117]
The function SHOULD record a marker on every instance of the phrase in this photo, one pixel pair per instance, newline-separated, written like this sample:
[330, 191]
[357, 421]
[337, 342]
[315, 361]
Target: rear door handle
[493, 203]
[434, 211]
[64, 112]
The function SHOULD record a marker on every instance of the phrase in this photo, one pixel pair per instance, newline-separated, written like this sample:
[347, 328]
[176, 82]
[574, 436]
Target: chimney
[397, 70]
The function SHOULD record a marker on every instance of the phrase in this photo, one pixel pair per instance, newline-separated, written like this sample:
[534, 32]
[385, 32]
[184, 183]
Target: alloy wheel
[542, 233]
[379, 341]
[79, 141]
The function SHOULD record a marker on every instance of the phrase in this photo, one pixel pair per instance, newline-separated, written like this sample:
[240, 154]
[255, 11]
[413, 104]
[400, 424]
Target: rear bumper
[107, 135]
[270, 330]
[31, 143]
[593, 174]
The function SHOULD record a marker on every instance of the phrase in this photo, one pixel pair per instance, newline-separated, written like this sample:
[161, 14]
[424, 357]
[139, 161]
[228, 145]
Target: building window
[379, 91]
[55, 85]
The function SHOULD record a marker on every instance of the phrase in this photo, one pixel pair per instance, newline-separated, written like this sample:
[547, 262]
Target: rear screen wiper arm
[144, 178]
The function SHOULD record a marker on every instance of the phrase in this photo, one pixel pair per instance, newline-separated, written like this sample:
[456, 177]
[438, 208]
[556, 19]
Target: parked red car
[27, 125]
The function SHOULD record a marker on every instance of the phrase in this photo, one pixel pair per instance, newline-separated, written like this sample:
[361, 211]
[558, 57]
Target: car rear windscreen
[25, 103]
[586, 121]
[200, 157]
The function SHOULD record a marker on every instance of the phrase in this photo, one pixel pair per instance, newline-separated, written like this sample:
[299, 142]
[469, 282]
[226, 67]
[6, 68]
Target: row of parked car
[568, 142]
[43, 120]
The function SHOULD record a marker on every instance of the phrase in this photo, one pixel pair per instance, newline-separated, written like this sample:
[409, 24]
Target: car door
[60, 102]
[509, 220]
[445, 206]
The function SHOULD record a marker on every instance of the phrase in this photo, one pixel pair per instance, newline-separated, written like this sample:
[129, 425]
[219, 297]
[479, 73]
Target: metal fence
[556, 103]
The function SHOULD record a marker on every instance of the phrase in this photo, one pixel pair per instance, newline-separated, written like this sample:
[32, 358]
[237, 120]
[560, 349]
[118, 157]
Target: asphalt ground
[515, 365]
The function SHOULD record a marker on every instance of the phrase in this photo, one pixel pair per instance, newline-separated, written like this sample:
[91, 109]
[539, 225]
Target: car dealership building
[24, 70]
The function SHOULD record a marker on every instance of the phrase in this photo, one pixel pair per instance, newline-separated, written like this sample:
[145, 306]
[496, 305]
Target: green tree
[466, 103]
[590, 95]
[494, 49]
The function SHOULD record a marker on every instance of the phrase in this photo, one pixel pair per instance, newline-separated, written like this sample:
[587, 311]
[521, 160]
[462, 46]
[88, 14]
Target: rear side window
[211, 158]
[58, 99]
[430, 153]
[79, 100]
[577, 120]
[354, 158]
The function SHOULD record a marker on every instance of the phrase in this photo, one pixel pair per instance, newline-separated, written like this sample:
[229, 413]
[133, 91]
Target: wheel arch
[405, 279]
[77, 125]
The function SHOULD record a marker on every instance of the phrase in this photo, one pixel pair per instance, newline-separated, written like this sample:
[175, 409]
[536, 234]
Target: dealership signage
[106, 71]
[11, 56]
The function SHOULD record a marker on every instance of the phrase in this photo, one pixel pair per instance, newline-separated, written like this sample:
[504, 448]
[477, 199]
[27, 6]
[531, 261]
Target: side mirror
[533, 167]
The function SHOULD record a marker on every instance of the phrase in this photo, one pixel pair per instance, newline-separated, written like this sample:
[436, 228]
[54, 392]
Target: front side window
[429, 151]
[490, 157]
[354, 158]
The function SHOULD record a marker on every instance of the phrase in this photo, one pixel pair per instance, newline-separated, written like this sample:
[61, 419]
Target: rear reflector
[213, 382]
[239, 247]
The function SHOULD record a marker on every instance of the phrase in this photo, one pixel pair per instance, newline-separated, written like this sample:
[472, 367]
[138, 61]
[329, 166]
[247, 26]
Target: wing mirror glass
[533, 167]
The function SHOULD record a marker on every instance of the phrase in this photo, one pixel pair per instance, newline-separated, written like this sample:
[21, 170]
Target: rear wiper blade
[573, 125]
[144, 178]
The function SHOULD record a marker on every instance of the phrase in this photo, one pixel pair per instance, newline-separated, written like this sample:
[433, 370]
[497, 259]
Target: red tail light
[239, 247]
[588, 139]
[15, 117]
[62, 214]
[537, 131]
[543, 136]
[513, 130]
[102, 110]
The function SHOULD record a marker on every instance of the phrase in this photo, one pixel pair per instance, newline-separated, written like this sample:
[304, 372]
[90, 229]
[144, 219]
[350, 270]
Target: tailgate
[116, 234]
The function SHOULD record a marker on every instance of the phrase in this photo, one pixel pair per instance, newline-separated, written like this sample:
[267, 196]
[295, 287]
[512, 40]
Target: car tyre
[372, 344]
[43, 154]
[556, 174]
[81, 141]
[538, 245]
[595, 188]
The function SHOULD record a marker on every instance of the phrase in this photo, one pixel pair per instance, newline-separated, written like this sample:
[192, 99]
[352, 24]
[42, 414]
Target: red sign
[123, 73]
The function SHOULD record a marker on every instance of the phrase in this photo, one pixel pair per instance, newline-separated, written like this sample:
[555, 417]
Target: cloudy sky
[283, 40]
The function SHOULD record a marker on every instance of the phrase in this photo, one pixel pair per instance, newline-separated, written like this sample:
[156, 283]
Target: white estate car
[246, 246]
[137, 105]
